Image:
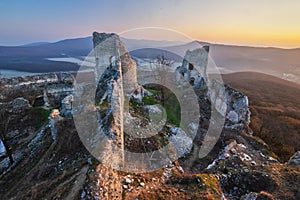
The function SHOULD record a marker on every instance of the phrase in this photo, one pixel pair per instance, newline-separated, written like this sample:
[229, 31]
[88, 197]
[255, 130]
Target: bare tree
[4, 122]
[163, 65]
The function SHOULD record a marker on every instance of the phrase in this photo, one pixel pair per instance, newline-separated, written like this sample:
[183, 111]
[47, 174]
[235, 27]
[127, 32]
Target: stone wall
[41, 90]
[194, 67]
[231, 104]
[111, 52]
[117, 79]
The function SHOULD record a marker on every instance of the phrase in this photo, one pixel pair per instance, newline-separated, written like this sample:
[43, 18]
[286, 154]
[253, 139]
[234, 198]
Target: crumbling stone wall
[231, 104]
[44, 89]
[117, 80]
[110, 52]
[194, 67]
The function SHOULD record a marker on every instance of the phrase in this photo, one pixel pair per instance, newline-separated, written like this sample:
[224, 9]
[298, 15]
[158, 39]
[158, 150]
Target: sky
[238, 22]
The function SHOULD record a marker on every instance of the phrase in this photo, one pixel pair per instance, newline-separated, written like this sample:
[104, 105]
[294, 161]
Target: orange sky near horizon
[284, 40]
[264, 23]
[272, 23]
[256, 23]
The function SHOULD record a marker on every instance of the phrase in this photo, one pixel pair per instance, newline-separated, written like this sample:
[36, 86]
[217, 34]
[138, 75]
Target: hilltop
[274, 104]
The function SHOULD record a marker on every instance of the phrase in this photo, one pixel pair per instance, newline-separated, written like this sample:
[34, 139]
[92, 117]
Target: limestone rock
[194, 67]
[137, 95]
[111, 53]
[233, 116]
[45, 89]
[19, 105]
[153, 109]
[116, 72]
[66, 106]
[238, 155]
[240, 183]
[257, 196]
[181, 142]
[238, 102]
[230, 103]
[295, 159]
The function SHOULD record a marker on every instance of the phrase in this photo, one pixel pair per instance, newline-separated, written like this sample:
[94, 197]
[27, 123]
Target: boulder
[231, 104]
[66, 106]
[181, 142]
[19, 105]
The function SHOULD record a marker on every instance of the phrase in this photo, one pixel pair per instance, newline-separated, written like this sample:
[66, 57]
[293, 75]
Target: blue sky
[256, 22]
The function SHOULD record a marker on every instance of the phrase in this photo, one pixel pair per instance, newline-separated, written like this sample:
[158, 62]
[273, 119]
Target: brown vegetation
[275, 108]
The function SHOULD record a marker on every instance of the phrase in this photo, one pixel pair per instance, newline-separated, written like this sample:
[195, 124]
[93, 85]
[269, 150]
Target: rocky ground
[50, 162]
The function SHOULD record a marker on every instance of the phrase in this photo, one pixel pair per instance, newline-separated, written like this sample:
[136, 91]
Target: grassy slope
[275, 108]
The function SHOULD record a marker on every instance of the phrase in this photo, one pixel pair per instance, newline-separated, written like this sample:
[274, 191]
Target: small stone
[253, 163]
[180, 169]
[128, 181]
[83, 194]
[142, 184]
[125, 187]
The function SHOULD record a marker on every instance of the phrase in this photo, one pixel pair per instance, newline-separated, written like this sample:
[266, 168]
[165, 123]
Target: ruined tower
[194, 67]
[111, 52]
[117, 82]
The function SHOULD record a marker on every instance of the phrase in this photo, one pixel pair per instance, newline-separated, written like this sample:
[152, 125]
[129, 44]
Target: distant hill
[275, 61]
[34, 44]
[153, 53]
[133, 44]
[282, 63]
[275, 109]
[70, 47]
[33, 57]
[181, 49]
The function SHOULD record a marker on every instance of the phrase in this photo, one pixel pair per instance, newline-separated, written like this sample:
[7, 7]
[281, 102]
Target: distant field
[275, 109]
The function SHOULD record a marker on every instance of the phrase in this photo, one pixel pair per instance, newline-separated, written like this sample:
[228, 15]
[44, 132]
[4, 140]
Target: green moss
[149, 100]
[171, 105]
[173, 110]
[38, 116]
[133, 104]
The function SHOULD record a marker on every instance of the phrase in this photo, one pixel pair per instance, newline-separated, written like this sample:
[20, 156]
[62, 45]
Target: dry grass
[275, 108]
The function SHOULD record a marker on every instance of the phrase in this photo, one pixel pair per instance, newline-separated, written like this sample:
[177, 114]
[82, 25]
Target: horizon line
[193, 40]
